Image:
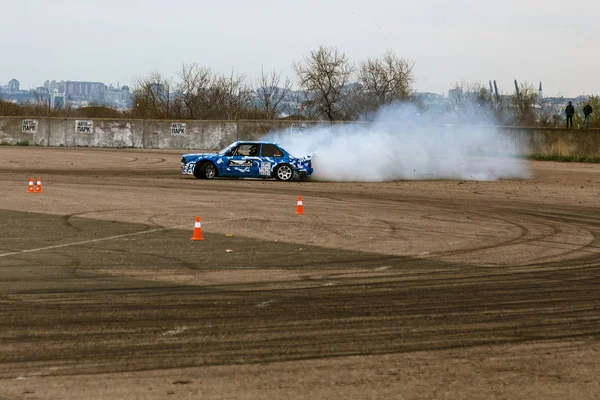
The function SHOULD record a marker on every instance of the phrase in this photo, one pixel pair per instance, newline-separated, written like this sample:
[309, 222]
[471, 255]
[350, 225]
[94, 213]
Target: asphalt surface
[85, 290]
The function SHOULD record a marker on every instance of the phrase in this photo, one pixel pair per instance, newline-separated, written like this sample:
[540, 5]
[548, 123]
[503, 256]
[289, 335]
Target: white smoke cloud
[399, 144]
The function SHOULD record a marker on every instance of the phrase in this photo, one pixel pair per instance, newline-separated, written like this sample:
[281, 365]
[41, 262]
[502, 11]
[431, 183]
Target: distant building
[157, 88]
[85, 91]
[74, 93]
[51, 86]
[57, 99]
[42, 94]
[119, 98]
[13, 86]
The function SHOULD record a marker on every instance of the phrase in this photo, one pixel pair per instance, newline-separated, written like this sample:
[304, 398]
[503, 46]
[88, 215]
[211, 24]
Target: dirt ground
[397, 290]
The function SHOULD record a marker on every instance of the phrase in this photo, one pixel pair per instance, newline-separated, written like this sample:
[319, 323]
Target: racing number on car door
[271, 155]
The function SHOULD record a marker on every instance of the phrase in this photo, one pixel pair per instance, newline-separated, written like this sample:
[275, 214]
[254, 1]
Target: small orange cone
[299, 207]
[30, 188]
[38, 187]
[197, 230]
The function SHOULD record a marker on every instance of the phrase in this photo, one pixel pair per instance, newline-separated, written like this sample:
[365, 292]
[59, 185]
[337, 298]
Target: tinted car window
[245, 150]
[270, 150]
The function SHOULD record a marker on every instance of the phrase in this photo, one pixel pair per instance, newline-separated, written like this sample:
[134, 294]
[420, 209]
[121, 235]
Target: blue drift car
[247, 159]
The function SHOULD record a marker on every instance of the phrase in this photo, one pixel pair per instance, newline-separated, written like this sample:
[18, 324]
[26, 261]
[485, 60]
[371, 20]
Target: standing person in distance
[570, 111]
[587, 110]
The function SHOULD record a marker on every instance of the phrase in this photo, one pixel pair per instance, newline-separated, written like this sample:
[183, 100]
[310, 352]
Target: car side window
[270, 150]
[245, 150]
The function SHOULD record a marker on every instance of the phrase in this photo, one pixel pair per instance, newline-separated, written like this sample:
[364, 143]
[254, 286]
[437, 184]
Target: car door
[241, 162]
[271, 155]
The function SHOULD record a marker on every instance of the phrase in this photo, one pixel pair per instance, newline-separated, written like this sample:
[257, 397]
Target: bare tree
[387, 79]
[231, 95]
[152, 97]
[269, 94]
[470, 94]
[323, 75]
[473, 102]
[357, 103]
[303, 107]
[239, 96]
[41, 104]
[525, 104]
[193, 87]
[461, 97]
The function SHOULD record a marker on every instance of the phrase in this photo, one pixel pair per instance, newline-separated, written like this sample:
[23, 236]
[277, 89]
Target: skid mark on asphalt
[59, 246]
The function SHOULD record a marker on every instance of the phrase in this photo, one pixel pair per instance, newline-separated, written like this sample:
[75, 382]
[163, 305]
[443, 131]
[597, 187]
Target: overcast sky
[116, 41]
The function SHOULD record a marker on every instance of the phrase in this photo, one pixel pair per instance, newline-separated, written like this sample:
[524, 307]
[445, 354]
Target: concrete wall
[152, 134]
[208, 135]
[563, 142]
[254, 130]
[195, 134]
[102, 133]
[17, 130]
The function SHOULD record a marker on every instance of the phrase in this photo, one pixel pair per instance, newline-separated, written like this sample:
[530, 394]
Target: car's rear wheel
[206, 170]
[284, 172]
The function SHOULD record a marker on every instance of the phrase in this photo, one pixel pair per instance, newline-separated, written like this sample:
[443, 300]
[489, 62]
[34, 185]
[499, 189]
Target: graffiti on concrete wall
[178, 129]
[83, 126]
[29, 125]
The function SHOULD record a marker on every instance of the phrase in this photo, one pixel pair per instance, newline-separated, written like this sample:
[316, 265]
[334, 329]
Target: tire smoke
[399, 144]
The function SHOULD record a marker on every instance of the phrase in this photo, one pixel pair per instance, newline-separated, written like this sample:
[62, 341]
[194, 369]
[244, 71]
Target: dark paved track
[57, 311]
[90, 296]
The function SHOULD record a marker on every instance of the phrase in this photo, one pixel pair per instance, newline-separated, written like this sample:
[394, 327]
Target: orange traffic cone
[197, 230]
[30, 188]
[299, 207]
[38, 187]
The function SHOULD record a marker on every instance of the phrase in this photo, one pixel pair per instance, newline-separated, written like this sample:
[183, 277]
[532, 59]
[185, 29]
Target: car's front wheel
[206, 170]
[284, 172]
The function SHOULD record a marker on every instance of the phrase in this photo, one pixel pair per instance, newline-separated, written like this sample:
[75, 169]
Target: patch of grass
[559, 158]
[21, 143]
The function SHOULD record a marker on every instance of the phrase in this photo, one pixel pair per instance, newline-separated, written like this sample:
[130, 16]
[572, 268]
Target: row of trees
[42, 109]
[468, 100]
[525, 107]
[332, 88]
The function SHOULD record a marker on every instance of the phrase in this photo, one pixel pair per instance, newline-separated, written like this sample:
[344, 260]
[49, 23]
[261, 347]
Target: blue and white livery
[247, 159]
